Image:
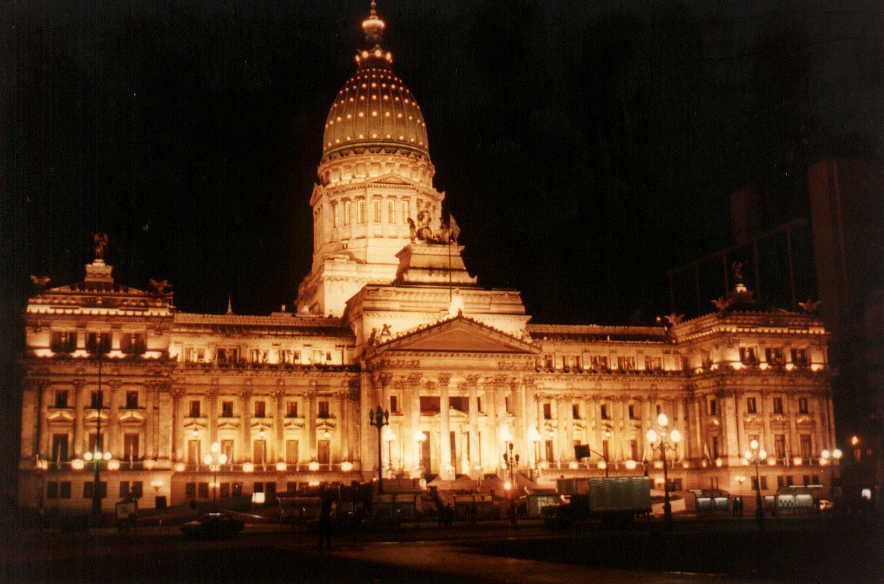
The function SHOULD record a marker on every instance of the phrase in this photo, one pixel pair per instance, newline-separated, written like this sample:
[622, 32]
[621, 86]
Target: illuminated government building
[390, 315]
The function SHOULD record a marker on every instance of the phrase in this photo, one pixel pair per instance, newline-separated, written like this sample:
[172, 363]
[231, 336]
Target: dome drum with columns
[375, 174]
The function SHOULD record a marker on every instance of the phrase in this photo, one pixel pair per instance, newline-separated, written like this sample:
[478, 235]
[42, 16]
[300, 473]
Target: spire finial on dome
[373, 26]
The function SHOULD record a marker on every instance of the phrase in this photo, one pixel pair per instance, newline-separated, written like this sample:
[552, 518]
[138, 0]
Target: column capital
[444, 379]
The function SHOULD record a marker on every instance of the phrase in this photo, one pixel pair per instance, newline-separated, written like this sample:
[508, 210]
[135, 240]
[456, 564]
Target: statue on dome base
[449, 232]
[100, 241]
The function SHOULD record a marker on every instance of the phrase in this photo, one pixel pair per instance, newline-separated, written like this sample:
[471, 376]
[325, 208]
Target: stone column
[728, 416]
[212, 404]
[473, 414]
[444, 429]
[79, 444]
[177, 426]
[278, 444]
[491, 454]
[42, 440]
[150, 396]
[245, 452]
[311, 423]
[113, 441]
[365, 457]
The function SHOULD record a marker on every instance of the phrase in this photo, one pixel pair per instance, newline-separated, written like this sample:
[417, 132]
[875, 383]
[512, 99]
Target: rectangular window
[633, 450]
[236, 489]
[131, 400]
[763, 483]
[605, 414]
[780, 446]
[124, 489]
[429, 404]
[747, 356]
[774, 356]
[789, 480]
[132, 343]
[654, 363]
[605, 450]
[360, 211]
[51, 490]
[348, 212]
[575, 411]
[203, 490]
[227, 409]
[675, 485]
[59, 447]
[323, 409]
[258, 487]
[64, 490]
[713, 407]
[394, 404]
[323, 451]
[227, 450]
[193, 452]
[805, 444]
[626, 363]
[751, 406]
[194, 409]
[805, 480]
[224, 491]
[547, 411]
[291, 409]
[61, 398]
[96, 442]
[336, 210]
[376, 210]
[259, 451]
[802, 405]
[291, 452]
[778, 405]
[88, 492]
[130, 446]
[550, 451]
[190, 490]
[63, 342]
[459, 403]
[404, 214]
[781, 481]
[96, 400]
[713, 483]
[799, 357]
[633, 412]
[715, 449]
[260, 409]
[391, 211]
[98, 343]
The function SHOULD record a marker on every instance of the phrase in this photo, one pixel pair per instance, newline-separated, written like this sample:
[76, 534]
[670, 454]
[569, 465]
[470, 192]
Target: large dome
[374, 108]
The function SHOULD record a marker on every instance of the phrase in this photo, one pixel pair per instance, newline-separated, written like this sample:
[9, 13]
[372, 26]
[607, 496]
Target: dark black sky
[585, 147]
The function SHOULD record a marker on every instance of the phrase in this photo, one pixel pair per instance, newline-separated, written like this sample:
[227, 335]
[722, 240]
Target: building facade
[389, 315]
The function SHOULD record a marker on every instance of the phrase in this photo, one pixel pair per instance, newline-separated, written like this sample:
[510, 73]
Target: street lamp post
[511, 460]
[379, 418]
[665, 439]
[214, 460]
[756, 454]
[831, 457]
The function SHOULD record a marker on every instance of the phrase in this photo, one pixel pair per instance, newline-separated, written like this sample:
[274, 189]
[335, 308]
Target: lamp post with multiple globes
[379, 418]
[831, 457]
[665, 439]
[511, 461]
[214, 460]
[755, 454]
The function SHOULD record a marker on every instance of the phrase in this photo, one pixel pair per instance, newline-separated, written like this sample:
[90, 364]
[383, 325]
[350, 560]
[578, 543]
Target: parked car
[213, 525]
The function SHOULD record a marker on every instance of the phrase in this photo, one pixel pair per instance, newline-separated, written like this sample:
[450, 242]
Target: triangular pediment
[457, 335]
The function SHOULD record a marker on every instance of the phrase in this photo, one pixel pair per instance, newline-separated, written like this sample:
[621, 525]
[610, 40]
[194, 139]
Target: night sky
[584, 147]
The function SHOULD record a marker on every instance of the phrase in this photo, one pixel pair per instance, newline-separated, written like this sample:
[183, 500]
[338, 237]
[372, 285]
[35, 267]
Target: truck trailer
[613, 500]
